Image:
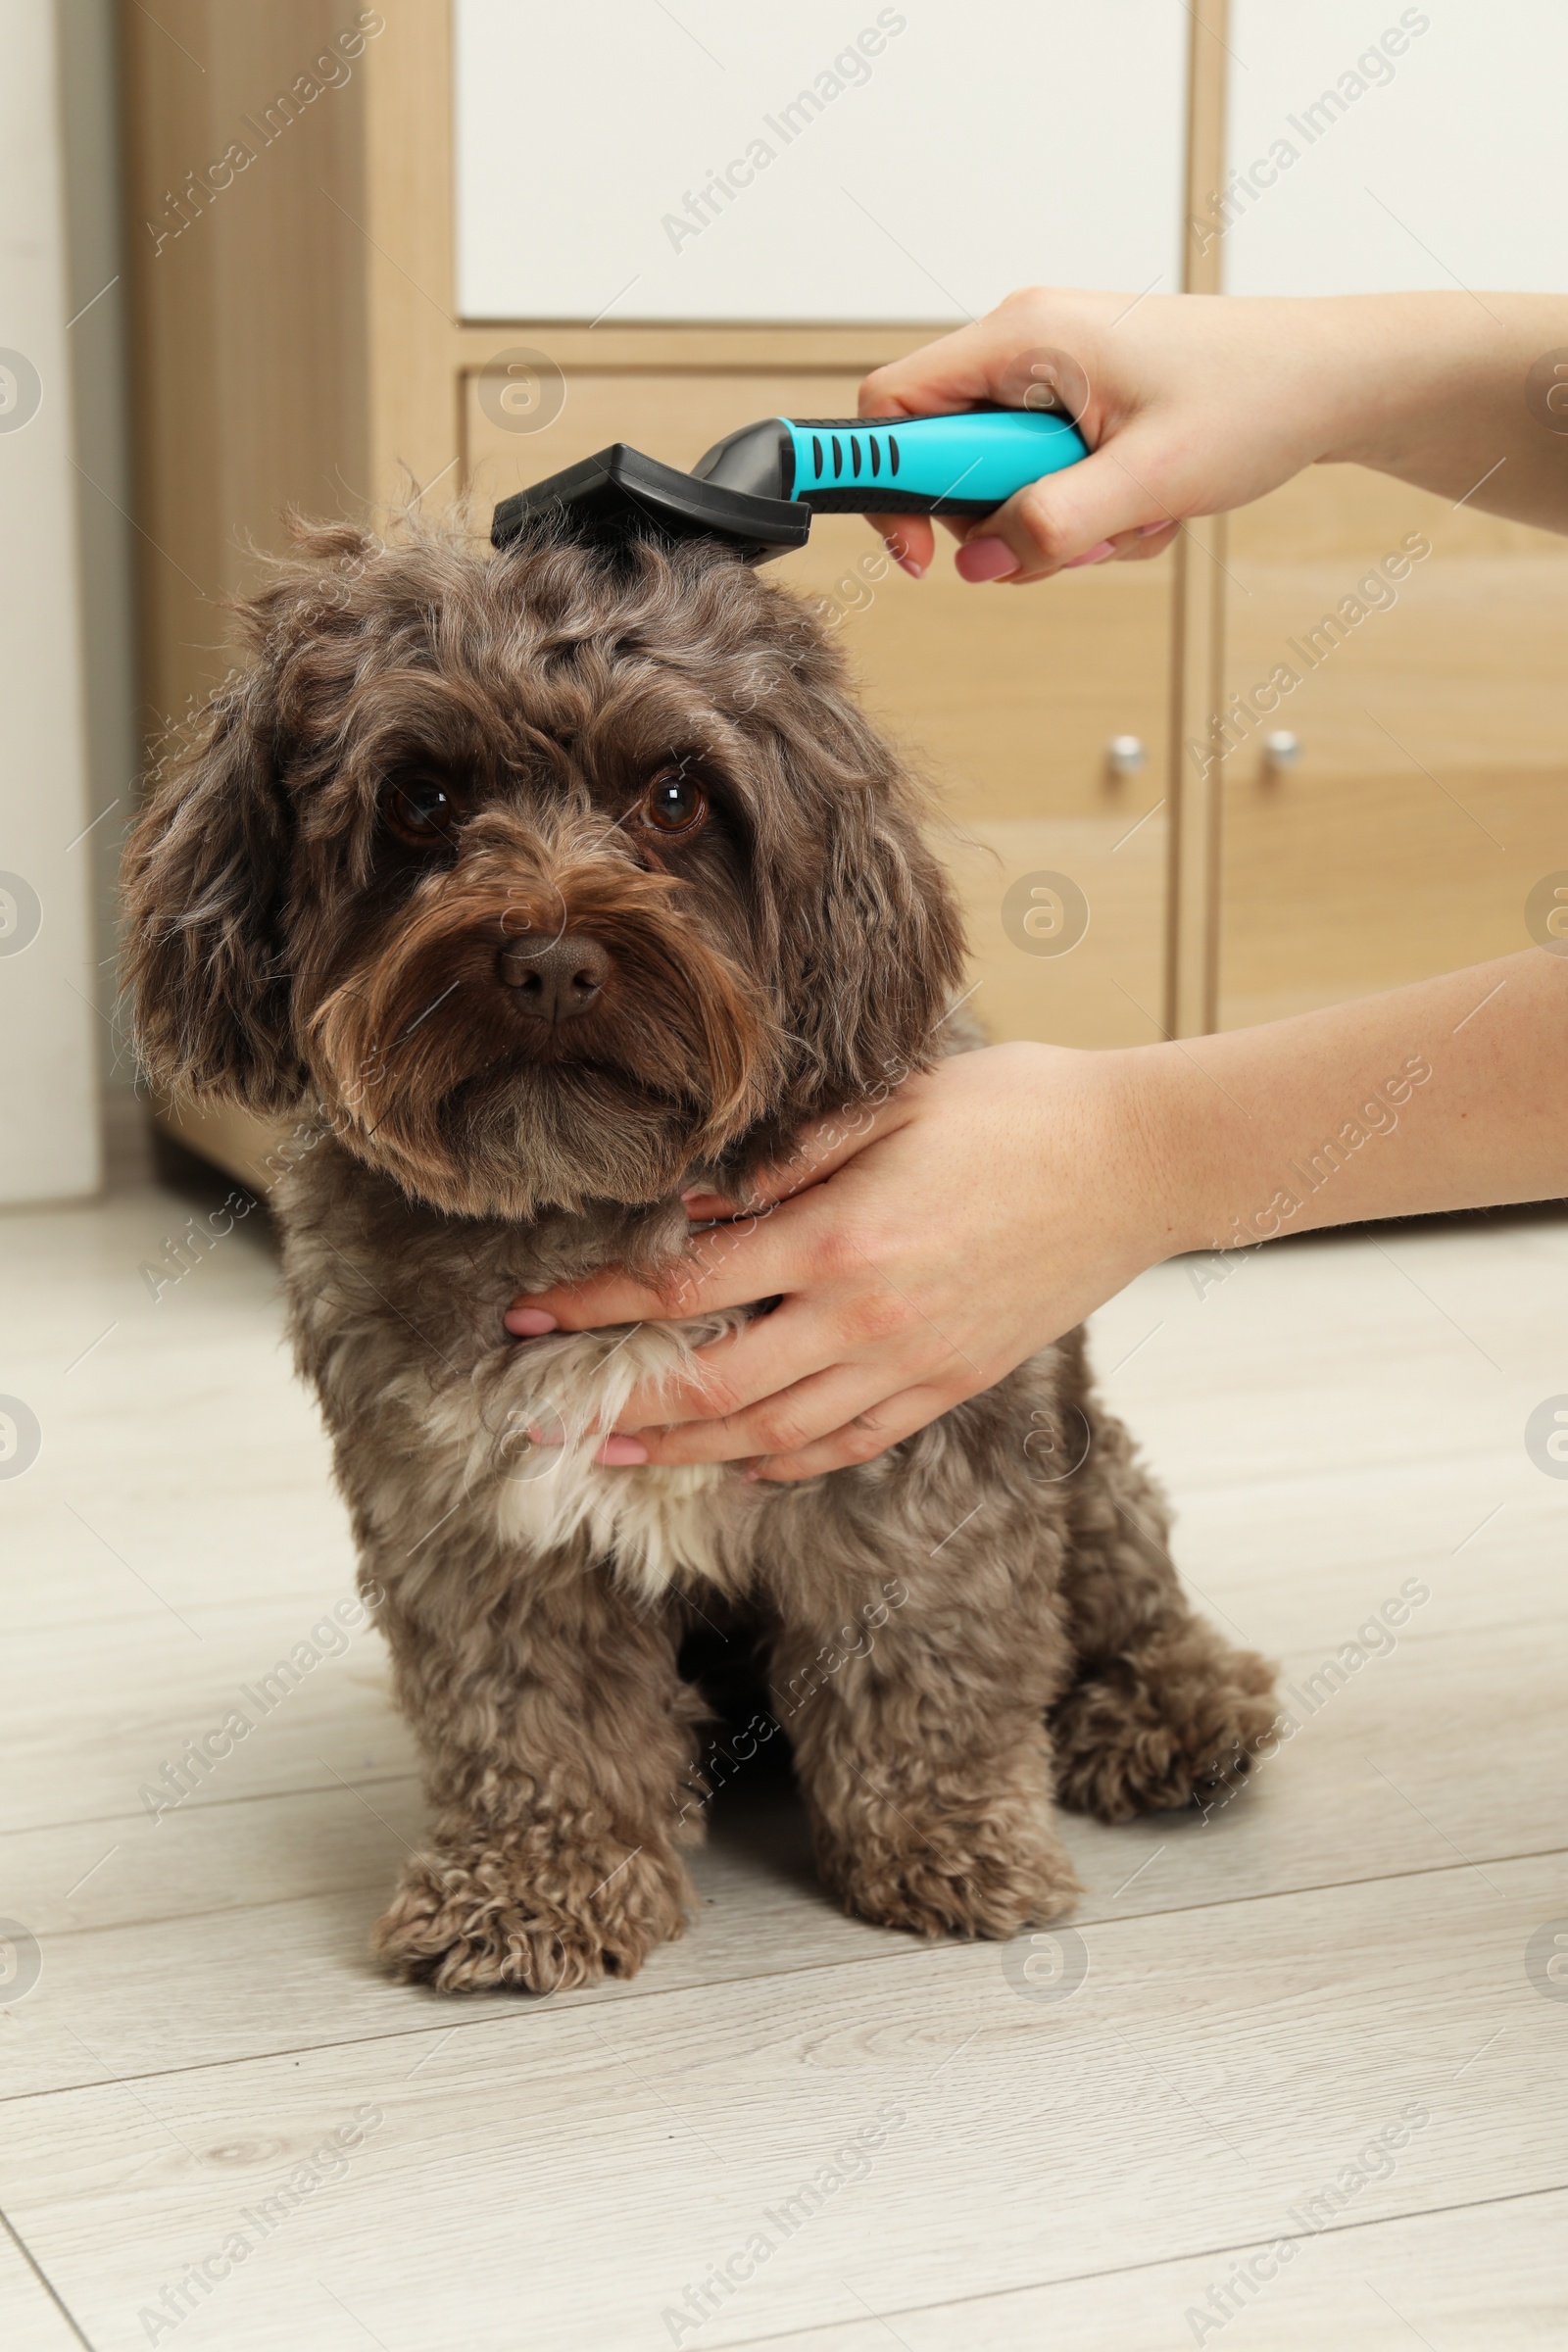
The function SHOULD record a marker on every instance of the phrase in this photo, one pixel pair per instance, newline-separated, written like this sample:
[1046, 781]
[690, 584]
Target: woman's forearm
[1451, 1094]
[1450, 392]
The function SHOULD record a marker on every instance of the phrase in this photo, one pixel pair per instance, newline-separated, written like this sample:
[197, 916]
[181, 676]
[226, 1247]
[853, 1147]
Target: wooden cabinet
[1420, 655]
[1415, 148]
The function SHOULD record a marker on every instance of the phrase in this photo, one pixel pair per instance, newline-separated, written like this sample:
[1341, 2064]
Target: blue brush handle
[966, 464]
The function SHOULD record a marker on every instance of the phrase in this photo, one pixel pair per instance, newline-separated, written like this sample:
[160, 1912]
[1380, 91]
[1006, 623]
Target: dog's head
[551, 879]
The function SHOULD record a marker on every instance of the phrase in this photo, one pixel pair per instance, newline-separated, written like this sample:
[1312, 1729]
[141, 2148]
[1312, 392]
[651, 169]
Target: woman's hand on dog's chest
[920, 1255]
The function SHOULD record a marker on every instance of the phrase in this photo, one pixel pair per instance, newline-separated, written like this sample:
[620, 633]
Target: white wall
[978, 149]
[49, 1050]
[1447, 166]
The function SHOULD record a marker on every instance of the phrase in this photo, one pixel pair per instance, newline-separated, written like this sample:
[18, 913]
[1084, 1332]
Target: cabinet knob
[1126, 755]
[1281, 750]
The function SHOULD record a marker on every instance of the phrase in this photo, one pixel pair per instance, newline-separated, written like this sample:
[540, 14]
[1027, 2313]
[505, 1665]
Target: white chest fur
[659, 1526]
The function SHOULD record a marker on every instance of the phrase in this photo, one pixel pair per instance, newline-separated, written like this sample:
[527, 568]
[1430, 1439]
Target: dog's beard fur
[425, 1068]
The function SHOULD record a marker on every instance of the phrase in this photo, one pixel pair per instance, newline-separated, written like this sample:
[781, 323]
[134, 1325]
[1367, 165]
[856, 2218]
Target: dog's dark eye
[419, 813]
[675, 803]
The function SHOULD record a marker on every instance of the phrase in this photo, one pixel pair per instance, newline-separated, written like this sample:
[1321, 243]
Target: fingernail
[984, 560]
[1147, 530]
[1091, 555]
[622, 1453]
[528, 1322]
[905, 561]
[752, 1474]
[546, 1436]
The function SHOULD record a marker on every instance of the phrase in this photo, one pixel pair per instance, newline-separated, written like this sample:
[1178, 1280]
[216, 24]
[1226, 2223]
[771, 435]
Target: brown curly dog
[542, 886]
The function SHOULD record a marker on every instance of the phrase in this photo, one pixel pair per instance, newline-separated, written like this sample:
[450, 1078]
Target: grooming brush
[757, 489]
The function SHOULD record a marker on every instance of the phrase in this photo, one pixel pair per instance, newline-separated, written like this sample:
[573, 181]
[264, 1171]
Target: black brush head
[618, 495]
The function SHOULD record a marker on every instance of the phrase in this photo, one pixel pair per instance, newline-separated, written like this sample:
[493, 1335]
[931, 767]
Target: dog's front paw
[981, 1873]
[487, 1918]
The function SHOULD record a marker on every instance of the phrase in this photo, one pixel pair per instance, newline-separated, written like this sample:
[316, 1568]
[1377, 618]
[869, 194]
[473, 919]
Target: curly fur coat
[544, 887]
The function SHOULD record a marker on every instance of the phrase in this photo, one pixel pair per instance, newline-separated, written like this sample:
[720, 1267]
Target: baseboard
[233, 1139]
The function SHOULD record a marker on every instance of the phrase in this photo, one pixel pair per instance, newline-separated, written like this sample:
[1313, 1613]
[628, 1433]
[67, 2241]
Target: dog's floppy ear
[204, 873]
[872, 944]
[886, 945]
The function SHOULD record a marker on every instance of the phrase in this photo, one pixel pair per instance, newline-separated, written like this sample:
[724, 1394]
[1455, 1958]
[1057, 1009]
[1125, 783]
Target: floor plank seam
[45, 2281]
[1105, 1919]
[1130, 2269]
[636, 1995]
[1176, 1911]
[211, 1804]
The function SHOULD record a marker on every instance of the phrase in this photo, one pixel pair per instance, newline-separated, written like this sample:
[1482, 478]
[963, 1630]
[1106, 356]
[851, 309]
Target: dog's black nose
[556, 977]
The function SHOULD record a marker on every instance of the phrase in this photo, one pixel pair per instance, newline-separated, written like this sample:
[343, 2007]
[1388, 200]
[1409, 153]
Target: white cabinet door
[1375, 146]
[824, 160]
[49, 1069]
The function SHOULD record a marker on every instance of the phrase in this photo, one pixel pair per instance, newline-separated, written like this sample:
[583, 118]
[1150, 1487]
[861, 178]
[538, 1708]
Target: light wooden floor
[1341, 1949]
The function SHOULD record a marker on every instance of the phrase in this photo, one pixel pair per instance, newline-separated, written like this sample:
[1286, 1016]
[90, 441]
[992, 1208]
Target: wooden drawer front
[1431, 793]
[1007, 699]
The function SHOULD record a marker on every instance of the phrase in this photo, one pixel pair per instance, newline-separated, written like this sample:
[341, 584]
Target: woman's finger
[1073, 517]
[1137, 546]
[728, 1408]
[909, 539]
[821, 1148]
[769, 1355]
[861, 1440]
[954, 372]
[763, 1257]
[785, 1424]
